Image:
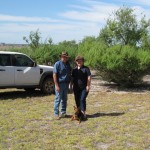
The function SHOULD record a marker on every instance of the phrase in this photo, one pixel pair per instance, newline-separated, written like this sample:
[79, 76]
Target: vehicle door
[7, 72]
[26, 73]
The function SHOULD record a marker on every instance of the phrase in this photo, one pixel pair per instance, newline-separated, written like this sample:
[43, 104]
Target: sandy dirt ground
[98, 85]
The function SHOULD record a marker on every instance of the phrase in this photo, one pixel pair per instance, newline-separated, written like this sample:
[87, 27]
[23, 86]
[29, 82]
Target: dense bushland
[124, 66]
[121, 52]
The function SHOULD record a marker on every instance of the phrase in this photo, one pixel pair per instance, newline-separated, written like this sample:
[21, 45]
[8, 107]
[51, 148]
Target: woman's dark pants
[80, 97]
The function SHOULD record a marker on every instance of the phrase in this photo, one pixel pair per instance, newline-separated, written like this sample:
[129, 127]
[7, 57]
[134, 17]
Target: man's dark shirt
[80, 76]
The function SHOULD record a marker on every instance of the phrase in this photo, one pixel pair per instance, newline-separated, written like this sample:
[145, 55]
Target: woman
[81, 83]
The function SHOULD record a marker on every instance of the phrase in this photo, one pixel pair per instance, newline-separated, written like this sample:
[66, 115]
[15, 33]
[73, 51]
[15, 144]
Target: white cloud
[80, 7]
[93, 12]
[98, 12]
[140, 11]
[80, 20]
[10, 18]
[140, 2]
[59, 32]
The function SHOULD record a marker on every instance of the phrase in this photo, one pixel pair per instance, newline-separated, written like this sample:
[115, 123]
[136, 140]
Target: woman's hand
[88, 88]
[70, 88]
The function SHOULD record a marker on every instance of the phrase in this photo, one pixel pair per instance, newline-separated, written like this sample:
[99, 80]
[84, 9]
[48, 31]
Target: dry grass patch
[115, 121]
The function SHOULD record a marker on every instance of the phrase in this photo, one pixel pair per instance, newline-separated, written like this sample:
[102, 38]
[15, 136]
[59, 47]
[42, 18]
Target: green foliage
[33, 40]
[48, 53]
[45, 54]
[85, 47]
[69, 46]
[25, 50]
[125, 29]
[123, 65]
[119, 50]
[120, 53]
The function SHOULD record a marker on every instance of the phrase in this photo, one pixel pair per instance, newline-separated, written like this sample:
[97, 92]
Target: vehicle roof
[7, 52]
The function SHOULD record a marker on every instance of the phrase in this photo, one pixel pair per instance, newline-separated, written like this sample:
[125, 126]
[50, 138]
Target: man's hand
[57, 88]
[55, 81]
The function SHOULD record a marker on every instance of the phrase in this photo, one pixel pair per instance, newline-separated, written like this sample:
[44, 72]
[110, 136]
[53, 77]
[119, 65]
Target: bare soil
[98, 85]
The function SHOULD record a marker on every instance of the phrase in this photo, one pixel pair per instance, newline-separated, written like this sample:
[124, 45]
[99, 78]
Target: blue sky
[60, 19]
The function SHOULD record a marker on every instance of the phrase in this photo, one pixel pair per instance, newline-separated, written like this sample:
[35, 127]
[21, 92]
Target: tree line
[120, 53]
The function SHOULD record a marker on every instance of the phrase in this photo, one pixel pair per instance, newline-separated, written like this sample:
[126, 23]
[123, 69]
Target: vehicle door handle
[19, 70]
[2, 69]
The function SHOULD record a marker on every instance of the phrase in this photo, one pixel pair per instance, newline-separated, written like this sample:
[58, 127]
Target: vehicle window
[5, 60]
[22, 60]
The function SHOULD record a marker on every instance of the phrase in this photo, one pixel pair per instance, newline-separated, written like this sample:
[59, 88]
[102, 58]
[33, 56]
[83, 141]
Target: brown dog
[78, 115]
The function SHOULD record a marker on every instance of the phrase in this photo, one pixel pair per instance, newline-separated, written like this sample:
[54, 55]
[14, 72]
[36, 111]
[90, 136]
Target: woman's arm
[88, 83]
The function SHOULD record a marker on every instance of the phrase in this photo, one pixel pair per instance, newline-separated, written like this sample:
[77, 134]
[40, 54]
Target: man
[62, 78]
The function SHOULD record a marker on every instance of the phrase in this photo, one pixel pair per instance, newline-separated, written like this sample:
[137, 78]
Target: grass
[116, 121]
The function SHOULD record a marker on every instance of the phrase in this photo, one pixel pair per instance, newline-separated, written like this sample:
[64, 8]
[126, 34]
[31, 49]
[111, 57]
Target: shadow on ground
[7, 95]
[96, 115]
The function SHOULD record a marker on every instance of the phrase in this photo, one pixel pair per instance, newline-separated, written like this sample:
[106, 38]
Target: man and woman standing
[81, 80]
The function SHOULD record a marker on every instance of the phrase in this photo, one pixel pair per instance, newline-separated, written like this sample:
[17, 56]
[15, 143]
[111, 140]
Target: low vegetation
[115, 121]
[125, 66]
[121, 51]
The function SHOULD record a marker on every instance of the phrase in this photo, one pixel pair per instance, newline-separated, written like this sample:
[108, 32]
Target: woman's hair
[79, 58]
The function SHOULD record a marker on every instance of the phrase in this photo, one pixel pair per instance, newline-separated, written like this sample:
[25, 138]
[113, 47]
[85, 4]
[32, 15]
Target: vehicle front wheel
[48, 86]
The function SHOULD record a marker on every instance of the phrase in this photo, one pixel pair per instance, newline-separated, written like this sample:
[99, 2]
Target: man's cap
[64, 54]
[79, 58]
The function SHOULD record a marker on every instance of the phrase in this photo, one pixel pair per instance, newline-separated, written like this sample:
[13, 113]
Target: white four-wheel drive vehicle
[17, 70]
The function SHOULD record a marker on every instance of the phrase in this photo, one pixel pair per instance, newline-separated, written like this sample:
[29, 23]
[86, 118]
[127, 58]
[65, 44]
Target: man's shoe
[56, 117]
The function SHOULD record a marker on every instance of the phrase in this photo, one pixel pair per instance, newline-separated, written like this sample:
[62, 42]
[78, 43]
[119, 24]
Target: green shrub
[26, 50]
[123, 65]
[45, 54]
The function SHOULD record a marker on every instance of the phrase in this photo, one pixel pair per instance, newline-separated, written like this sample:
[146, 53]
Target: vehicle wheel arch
[45, 75]
[46, 83]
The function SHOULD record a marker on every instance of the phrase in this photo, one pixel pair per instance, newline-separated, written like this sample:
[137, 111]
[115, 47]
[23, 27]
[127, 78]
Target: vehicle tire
[29, 89]
[48, 86]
